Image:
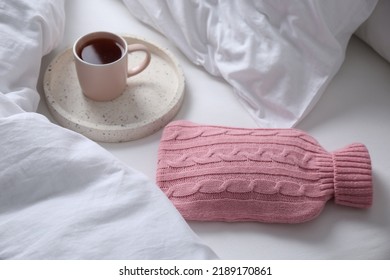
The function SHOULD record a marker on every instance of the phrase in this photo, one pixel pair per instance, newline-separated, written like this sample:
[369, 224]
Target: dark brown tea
[101, 51]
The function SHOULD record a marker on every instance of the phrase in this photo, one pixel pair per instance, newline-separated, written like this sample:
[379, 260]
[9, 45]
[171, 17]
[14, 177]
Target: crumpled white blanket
[279, 56]
[62, 196]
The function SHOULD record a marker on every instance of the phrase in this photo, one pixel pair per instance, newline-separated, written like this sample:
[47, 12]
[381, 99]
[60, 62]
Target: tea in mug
[101, 51]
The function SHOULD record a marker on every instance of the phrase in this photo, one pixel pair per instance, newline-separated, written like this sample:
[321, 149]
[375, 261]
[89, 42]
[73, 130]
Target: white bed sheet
[354, 107]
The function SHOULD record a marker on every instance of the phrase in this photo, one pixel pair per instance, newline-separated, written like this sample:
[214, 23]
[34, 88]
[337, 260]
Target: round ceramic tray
[151, 99]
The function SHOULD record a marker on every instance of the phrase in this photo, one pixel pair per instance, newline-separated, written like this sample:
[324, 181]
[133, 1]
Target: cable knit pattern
[267, 175]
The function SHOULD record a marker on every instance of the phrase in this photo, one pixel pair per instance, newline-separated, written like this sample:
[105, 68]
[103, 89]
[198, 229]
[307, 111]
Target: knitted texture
[214, 173]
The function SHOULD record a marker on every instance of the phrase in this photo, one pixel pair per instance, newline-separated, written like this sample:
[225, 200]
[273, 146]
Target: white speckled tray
[150, 101]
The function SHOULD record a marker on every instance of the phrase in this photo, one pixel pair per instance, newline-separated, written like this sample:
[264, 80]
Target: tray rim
[63, 117]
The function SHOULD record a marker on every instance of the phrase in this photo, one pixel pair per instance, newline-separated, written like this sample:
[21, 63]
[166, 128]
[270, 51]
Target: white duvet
[61, 195]
[279, 56]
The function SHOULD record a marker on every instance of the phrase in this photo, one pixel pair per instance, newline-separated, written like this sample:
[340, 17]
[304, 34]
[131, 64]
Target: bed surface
[354, 108]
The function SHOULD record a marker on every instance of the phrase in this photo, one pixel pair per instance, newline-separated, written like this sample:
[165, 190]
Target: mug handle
[144, 63]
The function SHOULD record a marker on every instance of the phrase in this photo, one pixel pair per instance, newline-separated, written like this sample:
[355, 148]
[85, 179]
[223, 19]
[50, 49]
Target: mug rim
[99, 34]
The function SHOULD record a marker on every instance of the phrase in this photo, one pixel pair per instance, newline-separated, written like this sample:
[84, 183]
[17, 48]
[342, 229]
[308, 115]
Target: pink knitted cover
[214, 173]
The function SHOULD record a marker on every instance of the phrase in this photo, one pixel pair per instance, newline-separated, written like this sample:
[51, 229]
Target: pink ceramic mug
[101, 60]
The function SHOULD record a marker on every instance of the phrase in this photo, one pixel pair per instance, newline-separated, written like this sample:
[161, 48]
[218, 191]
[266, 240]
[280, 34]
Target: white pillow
[375, 31]
[278, 55]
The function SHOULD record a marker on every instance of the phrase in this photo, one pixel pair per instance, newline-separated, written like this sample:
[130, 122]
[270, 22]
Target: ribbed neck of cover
[352, 176]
